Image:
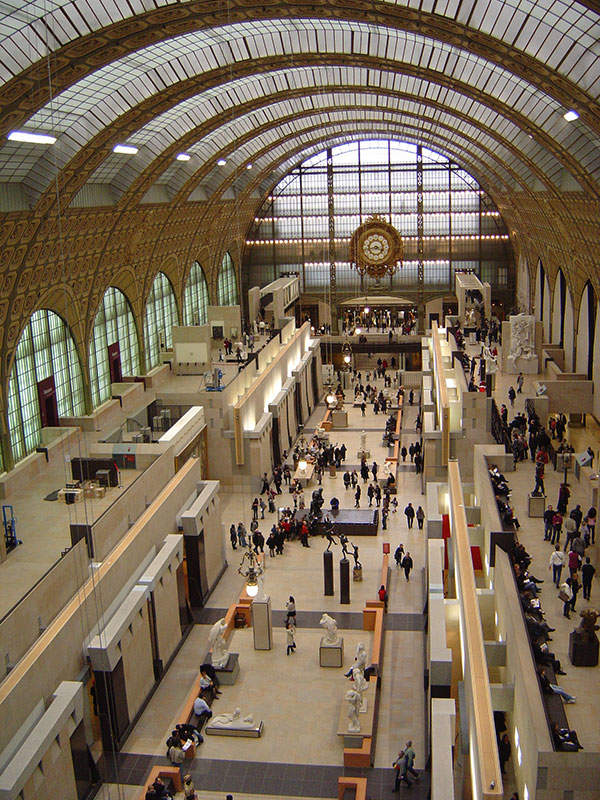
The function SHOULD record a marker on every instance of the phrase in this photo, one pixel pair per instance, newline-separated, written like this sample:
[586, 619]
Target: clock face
[375, 248]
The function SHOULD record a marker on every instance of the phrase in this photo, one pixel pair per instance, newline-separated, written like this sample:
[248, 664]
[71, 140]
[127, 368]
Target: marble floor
[284, 690]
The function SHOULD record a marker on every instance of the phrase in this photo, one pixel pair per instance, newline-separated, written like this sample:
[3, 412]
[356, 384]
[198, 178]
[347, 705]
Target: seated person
[565, 739]
[335, 504]
[553, 688]
[391, 480]
[160, 790]
[187, 731]
[207, 686]
[202, 710]
[542, 655]
[212, 674]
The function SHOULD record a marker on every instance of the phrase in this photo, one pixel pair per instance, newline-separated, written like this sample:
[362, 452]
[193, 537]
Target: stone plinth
[581, 652]
[228, 674]
[339, 419]
[537, 505]
[331, 654]
[254, 731]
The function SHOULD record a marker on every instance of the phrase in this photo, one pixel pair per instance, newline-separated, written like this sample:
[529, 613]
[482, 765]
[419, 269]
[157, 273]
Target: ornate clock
[376, 248]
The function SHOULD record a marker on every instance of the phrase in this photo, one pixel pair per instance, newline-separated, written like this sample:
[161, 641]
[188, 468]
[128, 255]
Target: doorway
[48, 403]
[114, 363]
[84, 768]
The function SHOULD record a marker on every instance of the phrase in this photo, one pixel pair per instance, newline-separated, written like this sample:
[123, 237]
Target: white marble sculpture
[216, 641]
[354, 702]
[491, 364]
[360, 686]
[522, 337]
[232, 720]
[331, 629]
[360, 656]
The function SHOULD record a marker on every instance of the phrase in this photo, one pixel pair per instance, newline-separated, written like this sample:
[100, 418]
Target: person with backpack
[407, 565]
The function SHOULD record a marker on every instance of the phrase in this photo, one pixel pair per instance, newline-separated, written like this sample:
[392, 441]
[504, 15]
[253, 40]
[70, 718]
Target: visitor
[587, 574]
[557, 562]
[410, 515]
[420, 517]
[407, 565]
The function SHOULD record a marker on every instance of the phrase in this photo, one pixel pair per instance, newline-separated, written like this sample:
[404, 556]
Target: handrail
[441, 393]
[484, 762]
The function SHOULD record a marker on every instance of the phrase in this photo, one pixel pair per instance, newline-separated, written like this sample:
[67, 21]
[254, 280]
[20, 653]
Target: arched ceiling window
[462, 227]
[45, 381]
[195, 297]
[161, 315]
[227, 290]
[114, 350]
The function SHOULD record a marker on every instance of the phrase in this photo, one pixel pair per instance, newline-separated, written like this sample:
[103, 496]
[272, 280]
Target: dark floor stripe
[303, 780]
[346, 620]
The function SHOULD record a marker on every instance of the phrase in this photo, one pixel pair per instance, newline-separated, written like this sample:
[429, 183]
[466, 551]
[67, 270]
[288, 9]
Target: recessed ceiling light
[248, 166]
[32, 138]
[570, 116]
[221, 162]
[125, 149]
[183, 157]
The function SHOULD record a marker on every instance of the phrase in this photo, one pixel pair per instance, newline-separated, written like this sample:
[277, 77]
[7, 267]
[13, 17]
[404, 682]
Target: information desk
[349, 521]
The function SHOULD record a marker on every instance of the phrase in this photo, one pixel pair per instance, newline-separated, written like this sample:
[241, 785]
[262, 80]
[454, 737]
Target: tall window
[114, 325]
[462, 228]
[46, 348]
[195, 297]
[161, 315]
[227, 291]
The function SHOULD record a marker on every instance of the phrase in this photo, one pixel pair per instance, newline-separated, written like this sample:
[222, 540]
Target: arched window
[161, 315]
[45, 382]
[195, 297]
[227, 291]
[114, 348]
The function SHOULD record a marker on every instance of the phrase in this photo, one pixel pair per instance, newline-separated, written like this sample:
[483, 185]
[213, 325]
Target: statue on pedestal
[355, 701]
[217, 644]
[360, 685]
[522, 337]
[331, 629]
[232, 720]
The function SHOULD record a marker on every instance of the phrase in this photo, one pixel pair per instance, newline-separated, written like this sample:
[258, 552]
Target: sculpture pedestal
[352, 738]
[228, 674]
[537, 505]
[339, 419]
[528, 366]
[583, 653]
[331, 655]
[253, 732]
[261, 623]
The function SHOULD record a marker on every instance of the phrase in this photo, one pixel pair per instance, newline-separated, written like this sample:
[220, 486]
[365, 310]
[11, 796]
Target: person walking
[520, 382]
[407, 565]
[399, 555]
[411, 451]
[563, 498]
[374, 469]
[265, 483]
[290, 607]
[410, 760]
[354, 478]
[255, 509]
[590, 521]
[556, 527]
[357, 496]
[403, 452]
[290, 631]
[363, 408]
[587, 574]
[566, 595]
[420, 517]
[262, 505]
[233, 536]
[511, 396]
[548, 517]
[364, 471]
[400, 766]
[370, 493]
[241, 532]
[557, 562]
[410, 515]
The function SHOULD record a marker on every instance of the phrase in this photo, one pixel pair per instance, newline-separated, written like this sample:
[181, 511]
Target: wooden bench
[553, 703]
[394, 458]
[359, 756]
[168, 774]
[357, 785]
